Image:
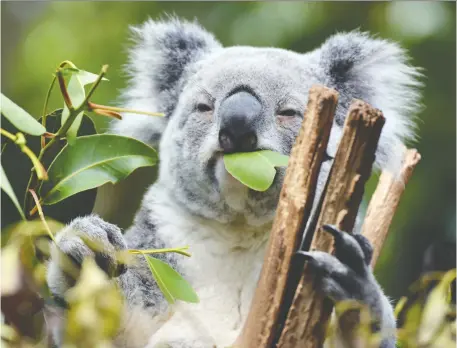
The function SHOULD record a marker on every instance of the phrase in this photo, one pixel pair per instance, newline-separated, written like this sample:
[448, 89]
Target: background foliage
[36, 36]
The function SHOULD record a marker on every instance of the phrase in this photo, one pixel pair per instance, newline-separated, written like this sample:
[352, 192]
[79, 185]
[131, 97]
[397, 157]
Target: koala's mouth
[212, 170]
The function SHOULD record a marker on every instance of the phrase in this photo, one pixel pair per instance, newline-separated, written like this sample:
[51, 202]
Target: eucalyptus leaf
[20, 118]
[55, 113]
[436, 309]
[6, 186]
[256, 169]
[92, 161]
[11, 270]
[87, 77]
[170, 282]
[84, 76]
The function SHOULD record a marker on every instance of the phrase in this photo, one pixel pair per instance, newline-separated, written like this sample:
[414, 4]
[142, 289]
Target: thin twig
[45, 107]
[161, 251]
[40, 212]
[117, 109]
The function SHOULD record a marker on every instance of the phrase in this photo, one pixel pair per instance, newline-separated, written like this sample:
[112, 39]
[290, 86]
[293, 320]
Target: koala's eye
[202, 107]
[288, 113]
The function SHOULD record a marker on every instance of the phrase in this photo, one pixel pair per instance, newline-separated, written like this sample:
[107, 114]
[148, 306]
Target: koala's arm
[143, 299]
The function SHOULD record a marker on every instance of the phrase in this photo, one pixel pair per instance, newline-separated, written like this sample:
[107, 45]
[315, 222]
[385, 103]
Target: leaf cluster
[83, 162]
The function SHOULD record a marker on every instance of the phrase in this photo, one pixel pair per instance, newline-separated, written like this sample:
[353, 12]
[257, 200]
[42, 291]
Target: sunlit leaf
[84, 76]
[87, 77]
[256, 170]
[170, 282]
[93, 161]
[436, 308]
[95, 308]
[20, 118]
[400, 305]
[11, 270]
[6, 186]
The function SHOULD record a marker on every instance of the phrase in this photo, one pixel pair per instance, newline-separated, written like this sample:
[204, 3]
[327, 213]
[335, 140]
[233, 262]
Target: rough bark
[307, 318]
[384, 203]
[292, 213]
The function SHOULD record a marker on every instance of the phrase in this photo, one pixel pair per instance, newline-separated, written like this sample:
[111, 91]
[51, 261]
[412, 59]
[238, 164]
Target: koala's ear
[375, 71]
[162, 55]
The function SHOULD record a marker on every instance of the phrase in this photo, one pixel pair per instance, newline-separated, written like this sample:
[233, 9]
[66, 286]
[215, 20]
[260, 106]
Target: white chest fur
[224, 269]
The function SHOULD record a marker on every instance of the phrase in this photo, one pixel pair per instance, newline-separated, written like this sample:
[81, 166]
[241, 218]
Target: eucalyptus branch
[75, 112]
[71, 118]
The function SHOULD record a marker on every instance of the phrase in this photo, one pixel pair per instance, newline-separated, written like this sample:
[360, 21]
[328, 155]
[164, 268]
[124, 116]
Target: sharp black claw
[333, 230]
[327, 157]
[305, 255]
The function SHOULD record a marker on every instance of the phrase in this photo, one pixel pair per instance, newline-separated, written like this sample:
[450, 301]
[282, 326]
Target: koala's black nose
[238, 114]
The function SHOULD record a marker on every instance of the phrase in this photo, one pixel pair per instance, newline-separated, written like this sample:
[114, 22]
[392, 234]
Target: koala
[221, 100]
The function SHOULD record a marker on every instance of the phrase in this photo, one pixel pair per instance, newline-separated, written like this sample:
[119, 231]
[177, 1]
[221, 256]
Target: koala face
[237, 99]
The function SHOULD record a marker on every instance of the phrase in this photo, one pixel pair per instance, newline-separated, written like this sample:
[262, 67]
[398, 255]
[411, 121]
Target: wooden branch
[385, 201]
[293, 211]
[306, 322]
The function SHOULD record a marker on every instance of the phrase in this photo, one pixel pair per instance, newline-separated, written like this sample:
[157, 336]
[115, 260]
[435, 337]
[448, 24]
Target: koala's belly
[224, 279]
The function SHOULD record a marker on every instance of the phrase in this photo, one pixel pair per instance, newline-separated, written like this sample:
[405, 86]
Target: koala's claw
[351, 249]
[85, 237]
[346, 274]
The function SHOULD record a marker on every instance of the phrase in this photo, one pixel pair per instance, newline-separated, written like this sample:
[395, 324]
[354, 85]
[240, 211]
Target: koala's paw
[347, 274]
[88, 236]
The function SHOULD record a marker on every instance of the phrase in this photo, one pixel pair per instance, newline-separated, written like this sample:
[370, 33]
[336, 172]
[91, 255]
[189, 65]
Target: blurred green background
[37, 36]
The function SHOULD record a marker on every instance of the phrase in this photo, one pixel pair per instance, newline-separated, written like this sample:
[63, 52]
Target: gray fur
[175, 66]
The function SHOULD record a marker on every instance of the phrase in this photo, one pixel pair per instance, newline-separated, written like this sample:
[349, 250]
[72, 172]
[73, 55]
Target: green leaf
[55, 113]
[436, 309]
[92, 161]
[170, 282]
[87, 77]
[77, 95]
[84, 76]
[20, 118]
[6, 186]
[256, 170]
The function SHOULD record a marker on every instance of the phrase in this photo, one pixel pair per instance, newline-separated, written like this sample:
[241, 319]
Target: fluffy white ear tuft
[163, 53]
[376, 71]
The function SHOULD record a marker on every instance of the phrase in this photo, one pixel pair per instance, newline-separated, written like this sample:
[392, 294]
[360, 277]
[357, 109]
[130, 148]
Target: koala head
[221, 100]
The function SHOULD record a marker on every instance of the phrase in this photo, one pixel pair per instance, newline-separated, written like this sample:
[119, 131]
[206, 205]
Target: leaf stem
[40, 212]
[7, 134]
[180, 250]
[43, 118]
[20, 141]
[117, 109]
[63, 90]
[95, 84]
[67, 62]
